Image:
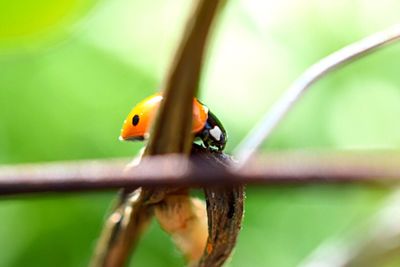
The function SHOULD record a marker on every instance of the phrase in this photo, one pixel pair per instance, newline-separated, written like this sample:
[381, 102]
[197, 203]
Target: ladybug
[206, 126]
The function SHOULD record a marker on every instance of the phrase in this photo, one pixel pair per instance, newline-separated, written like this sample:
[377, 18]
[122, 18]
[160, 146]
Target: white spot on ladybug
[216, 133]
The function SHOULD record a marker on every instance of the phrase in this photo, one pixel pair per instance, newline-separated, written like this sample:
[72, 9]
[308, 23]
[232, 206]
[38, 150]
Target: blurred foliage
[71, 70]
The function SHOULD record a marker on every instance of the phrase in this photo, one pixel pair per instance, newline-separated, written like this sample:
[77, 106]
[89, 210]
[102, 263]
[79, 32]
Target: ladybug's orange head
[137, 124]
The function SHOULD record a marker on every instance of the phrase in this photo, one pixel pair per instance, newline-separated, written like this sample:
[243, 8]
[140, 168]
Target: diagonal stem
[171, 133]
[317, 71]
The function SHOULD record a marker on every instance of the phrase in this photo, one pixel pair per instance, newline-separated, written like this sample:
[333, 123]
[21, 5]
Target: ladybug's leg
[204, 136]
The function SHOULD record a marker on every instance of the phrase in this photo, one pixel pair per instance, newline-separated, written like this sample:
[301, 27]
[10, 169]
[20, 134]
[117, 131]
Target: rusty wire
[173, 170]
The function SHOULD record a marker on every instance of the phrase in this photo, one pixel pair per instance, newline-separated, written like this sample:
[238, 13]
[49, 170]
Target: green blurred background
[70, 71]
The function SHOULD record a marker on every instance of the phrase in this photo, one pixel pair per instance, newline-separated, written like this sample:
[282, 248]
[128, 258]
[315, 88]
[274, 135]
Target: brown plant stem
[171, 133]
[225, 207]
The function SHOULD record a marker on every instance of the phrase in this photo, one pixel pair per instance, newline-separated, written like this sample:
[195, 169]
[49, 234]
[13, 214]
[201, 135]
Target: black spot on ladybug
[135, 120]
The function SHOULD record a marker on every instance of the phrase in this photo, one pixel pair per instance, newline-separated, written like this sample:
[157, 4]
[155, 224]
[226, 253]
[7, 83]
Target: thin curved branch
[317, 71]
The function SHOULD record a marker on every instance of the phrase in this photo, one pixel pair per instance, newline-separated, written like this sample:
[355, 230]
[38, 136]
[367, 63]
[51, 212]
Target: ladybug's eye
[135, 120]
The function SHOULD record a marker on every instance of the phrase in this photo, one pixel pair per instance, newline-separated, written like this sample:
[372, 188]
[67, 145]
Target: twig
[171, 133]
[172, 129]
[176, 171]
[225, 207]
[317, 71]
